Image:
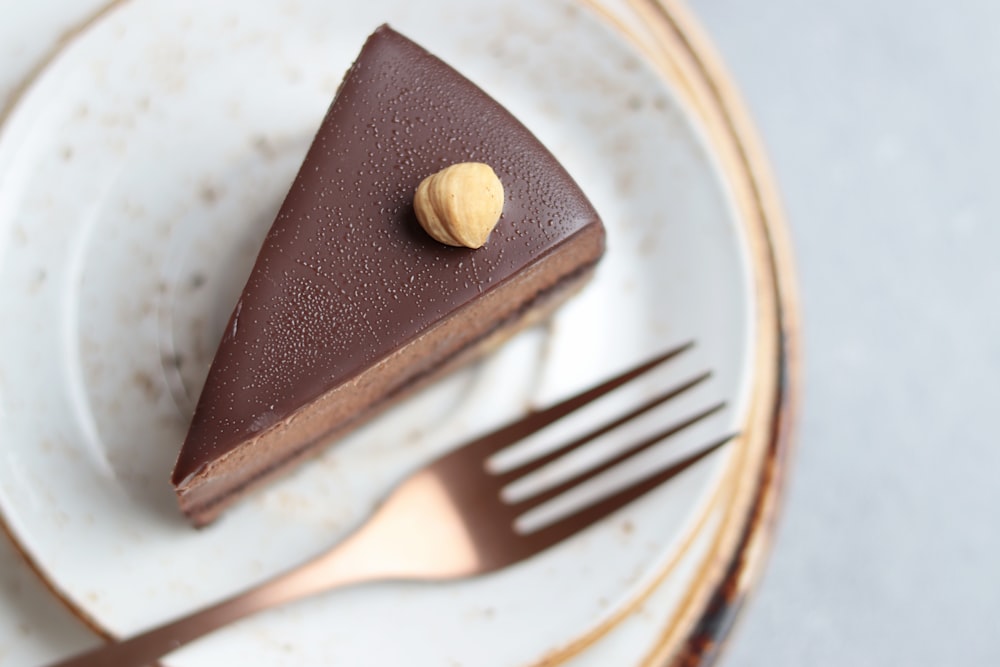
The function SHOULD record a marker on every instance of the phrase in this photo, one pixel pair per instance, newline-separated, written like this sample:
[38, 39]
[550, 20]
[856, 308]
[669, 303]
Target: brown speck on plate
[209, 193]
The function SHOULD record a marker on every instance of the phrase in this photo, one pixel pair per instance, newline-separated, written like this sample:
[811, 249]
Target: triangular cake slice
[350, 304]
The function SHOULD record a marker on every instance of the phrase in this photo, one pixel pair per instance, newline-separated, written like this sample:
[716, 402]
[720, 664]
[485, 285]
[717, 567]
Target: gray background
[882, 121]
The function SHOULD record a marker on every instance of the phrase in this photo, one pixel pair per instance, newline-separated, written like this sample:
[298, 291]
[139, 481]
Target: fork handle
[146, 648]
[386, 546]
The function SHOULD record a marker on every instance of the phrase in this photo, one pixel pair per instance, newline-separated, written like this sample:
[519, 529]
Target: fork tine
[491, 443]
[564, 528]
[534, 464]
[548, 494]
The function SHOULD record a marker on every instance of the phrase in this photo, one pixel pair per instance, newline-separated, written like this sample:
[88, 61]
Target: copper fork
[447, 521]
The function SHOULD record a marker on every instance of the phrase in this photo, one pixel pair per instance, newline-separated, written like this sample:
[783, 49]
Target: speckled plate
[137, 177]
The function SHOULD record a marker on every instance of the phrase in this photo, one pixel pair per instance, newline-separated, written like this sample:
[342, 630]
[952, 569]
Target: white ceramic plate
[137, 177]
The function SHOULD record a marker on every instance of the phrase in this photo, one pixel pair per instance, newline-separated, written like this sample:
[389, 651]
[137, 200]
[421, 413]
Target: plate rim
[698, 637]
[719, 592]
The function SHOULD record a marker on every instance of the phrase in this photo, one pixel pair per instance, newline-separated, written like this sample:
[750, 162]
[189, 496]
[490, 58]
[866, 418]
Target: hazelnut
[461, 204]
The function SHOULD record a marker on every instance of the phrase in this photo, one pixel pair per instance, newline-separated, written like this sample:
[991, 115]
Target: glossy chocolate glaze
[346, 275]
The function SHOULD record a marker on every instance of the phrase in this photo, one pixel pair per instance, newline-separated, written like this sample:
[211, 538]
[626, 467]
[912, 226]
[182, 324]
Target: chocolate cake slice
[351, 304]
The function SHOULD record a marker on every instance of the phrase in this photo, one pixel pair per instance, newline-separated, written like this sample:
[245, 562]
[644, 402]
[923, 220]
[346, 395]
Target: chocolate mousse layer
[350, 303]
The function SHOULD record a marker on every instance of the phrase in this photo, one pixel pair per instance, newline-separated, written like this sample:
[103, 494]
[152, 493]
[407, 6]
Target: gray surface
[882, 120]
